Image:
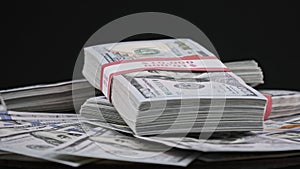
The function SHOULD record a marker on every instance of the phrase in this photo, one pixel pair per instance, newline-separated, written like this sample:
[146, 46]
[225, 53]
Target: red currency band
[159, 68]
[268, 107]
[192, 57]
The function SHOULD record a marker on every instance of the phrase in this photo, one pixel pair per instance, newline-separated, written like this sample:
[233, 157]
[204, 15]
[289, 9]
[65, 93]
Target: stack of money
[284, 102]
[101, 109]
[56, 97]
[248, 70]
[103, 114]
[162, 102]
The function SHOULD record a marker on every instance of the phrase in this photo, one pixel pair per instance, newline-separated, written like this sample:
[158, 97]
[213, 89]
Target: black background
[40, 41]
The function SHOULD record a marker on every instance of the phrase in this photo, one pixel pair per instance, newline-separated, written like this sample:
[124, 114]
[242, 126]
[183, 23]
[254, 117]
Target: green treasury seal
[146, 51]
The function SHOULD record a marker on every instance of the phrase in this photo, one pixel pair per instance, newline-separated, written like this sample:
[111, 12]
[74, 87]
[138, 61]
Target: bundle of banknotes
[167, 101]
[57, 97]
[284, 102]
[248, 70]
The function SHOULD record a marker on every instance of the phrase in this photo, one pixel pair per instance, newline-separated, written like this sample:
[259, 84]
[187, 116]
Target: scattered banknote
[108, 144]
[74, 141]
[41, 143]
[237, 142]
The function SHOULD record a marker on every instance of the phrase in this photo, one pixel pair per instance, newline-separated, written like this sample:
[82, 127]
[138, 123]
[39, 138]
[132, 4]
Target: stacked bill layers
[284, 102]
[56, 97]
[164, 101]
[248, 70]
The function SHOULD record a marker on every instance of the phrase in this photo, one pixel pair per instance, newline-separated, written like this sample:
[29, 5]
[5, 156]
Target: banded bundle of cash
[284, 102]
[53, 98]
[248, 70]
[156, 102]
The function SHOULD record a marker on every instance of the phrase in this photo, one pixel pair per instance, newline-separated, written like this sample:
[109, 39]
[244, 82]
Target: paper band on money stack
[172, 86]
[2, 104]
[185, 63]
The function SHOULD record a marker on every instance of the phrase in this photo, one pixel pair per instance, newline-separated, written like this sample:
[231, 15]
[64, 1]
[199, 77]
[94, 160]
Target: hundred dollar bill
[108, 144]
[284, 140]
[41, 143]
[4, 132]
